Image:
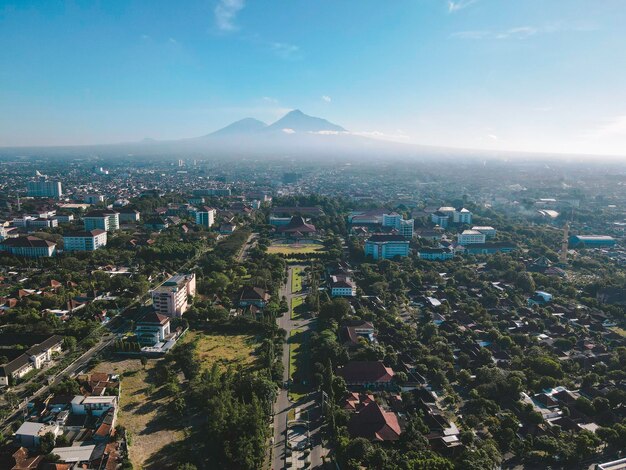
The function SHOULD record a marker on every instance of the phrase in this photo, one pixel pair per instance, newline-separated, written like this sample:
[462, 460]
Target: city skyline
[476, 74]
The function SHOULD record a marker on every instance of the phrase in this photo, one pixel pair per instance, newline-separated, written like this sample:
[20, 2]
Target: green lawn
[297, 308]
[290, 249]
[298, 365]
[296, 280]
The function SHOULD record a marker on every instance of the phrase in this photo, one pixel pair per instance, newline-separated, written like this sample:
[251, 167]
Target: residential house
[366, 374]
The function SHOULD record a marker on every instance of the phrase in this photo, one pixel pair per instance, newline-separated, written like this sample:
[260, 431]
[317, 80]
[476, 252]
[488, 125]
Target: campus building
[386, 246]
[44, 188]
[30, 247]
[85, 241]
[205, 217]
[106, 220]
[171, 298]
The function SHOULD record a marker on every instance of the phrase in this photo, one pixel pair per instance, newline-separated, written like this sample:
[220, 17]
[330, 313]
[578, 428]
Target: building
[613, 465]
[29, 434]
[374, 424]
[540, 298]
[152, 328]
[253, 296]
[297, 227]
[471, 237]
[93, 198]
[93, 405]
[366, 374]
[353, 333]
[489, 248]
[205, 217]
[489, 232]
[35, 357]
[386, 246]
[440, 218]
[433, 254]
[129, 216]
[212, 192]
[447, 214]
[591, 241]
[106, 220]
[342, 286]
[29, 247]
[403, 227]
[171, 298]
[85, 241]
[41, 223]
[44, 188]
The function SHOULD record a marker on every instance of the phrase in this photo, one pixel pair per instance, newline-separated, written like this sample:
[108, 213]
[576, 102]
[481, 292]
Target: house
[253, 296]
[93, 405]
[353, 333]
[171, 297]
[152, 328]
[85, 241]
[22, 460]
[79, 454]
[386, 246]
[342, 286]
[29, 434]
[366, 374]
[375, 424]
[227, 229]
[539, 298]
[29, 247]
[435, 253]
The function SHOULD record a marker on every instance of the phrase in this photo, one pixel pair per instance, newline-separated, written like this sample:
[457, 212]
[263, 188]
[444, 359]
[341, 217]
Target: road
[309, 405]
[250, 243]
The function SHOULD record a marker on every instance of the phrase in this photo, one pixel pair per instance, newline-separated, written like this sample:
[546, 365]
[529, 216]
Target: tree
[46, 443]
[144, 361]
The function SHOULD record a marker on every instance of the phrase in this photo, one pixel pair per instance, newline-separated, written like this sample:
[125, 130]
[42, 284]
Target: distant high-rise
[44, 188]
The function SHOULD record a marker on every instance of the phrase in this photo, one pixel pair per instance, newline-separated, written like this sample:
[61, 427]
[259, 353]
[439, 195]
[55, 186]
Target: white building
[386, 246]
[205, 217]
[489, 231]
[94, 405]
[85, 241]
[106, 220]
[471, 237]
[395, 220]
[171, 298]
[93, 198]
[457, 216]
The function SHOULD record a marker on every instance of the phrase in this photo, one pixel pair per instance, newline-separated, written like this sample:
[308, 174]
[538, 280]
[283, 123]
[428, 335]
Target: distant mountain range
[295, 135]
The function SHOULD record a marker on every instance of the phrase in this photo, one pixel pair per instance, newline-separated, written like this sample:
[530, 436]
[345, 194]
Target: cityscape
[243, 235]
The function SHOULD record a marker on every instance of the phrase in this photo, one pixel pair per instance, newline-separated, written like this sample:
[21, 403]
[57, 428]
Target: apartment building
[85, 241]
[171, 298]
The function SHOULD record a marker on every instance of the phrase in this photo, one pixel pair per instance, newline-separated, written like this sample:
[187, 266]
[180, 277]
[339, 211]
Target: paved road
[250, 243]
[283, 405]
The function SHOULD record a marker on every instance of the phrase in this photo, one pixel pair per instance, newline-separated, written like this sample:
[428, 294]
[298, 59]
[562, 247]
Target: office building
[471, 237]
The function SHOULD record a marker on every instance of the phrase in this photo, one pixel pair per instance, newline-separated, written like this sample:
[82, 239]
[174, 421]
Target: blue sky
[530, 75]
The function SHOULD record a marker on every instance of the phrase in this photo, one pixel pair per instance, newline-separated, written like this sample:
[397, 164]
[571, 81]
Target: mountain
[300, 122]
[243, 126]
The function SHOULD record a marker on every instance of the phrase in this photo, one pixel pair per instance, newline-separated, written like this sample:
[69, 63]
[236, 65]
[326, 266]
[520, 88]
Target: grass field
[226, 350]
[296, 279]
[142, 412]
[298, 309]
[293, 248]
[298, 367]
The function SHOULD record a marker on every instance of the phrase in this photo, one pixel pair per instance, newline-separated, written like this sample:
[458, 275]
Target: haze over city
[530, 76]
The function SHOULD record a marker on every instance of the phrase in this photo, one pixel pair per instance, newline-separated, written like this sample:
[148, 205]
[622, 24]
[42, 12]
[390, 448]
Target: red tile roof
[375, 424]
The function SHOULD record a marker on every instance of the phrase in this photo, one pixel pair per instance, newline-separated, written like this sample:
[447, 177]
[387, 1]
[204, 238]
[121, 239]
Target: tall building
[44, 188]
[171, 297]
[471, 237]
[106, 220]
[386, 246]
[85, 241]
[205, 217]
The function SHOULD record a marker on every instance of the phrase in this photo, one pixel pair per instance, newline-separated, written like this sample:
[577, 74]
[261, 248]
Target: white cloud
[523, 32]
[326, 98]
[459, 5]
[173, 41]
[226, 13]
[269, 99]
[285, 50]
[492, 136]
[399, 136]
[289, 131]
